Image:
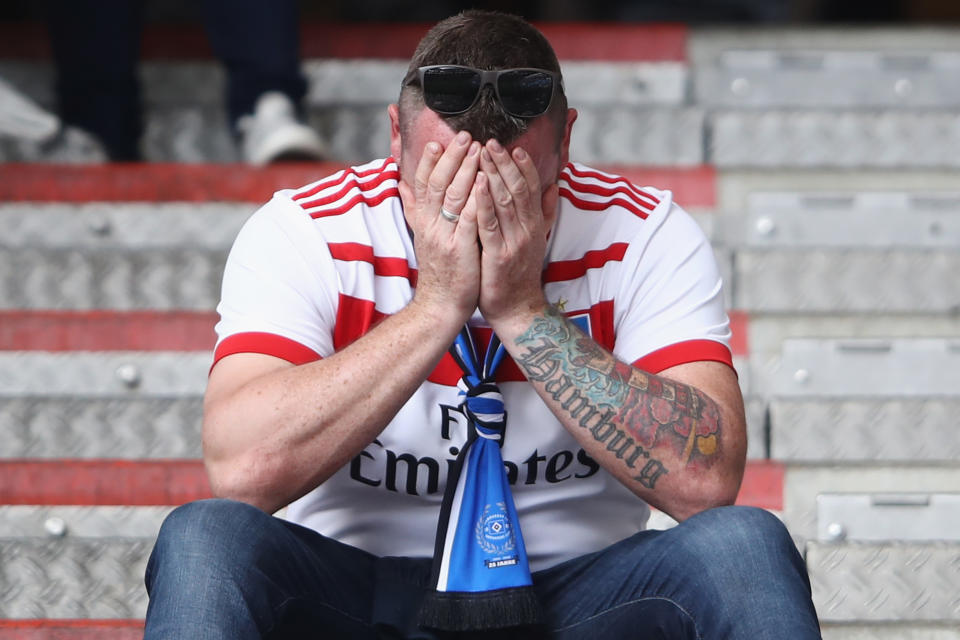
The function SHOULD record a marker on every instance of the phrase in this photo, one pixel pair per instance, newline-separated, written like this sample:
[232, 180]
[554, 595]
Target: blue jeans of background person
[222, 569]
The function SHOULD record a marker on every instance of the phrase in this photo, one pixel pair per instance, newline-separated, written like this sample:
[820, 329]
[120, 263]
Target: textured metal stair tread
[757, 78]
[885, 581]
[40, 427]
[886, 517]
[852, 219]
[73, 578]
[892, 428]
[738, 187]
[694, 186]
[130, 225]
[358, 82]
[898, 630]
[841, 138]
[103, 374]
[843, 279]
[804, 482]
[73, 522]
[707, 45]
[171, 278]
[913, 367]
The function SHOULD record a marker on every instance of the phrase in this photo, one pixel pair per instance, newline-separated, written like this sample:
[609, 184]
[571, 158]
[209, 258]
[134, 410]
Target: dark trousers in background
[96, 48]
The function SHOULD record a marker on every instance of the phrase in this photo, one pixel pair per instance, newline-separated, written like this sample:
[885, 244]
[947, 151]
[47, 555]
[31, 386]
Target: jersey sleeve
[279, 288]
[670, 307]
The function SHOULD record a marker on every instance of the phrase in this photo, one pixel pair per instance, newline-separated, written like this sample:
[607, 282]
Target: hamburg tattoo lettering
[628, 410]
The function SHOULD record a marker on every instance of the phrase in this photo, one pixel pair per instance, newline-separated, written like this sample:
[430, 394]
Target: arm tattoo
[630, 411]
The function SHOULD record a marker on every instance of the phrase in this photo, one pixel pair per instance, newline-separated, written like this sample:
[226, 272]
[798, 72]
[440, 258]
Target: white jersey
[314, 268]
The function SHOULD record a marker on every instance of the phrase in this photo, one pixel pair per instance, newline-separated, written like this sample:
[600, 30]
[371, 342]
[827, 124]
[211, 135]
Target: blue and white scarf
[481, 577]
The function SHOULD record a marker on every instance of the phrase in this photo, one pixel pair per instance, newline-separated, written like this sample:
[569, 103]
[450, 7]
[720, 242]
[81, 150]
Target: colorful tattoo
[630, 411]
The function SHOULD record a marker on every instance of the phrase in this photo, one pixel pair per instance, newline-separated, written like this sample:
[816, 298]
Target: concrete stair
[820, 162]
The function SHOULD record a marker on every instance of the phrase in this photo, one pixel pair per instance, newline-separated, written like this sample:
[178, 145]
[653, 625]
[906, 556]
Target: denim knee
[217, 532]
[740, 544]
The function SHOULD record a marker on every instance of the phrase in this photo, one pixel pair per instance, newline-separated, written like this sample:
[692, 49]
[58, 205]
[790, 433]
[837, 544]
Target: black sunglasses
[452, 89]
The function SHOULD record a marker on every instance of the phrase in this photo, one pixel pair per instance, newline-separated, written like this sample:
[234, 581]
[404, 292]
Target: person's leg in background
[225, 570]
[96, 48]
[258, 43]
[732, 572]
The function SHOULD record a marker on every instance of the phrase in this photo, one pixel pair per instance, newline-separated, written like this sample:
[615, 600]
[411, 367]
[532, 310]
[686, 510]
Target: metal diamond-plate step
[914, 367]
[884, 517]
[855, 429]
[122, 225]
[81, 522]
[803, 483]
[891, 581]
[630, 113]
[73, 427]
[736, 188]
[158, 279]
[815, 78]
[889, 631]
[73, 578]
[639, 136]
[847, 280]
[807, 139]
[837, 219]
[706, 45]
[103, 375]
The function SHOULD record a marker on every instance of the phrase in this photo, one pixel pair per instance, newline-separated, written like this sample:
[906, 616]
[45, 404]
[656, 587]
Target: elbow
[706, 497]
[236, 480]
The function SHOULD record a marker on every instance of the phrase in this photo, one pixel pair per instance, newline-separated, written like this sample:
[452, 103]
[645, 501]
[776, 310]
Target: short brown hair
[484, 40]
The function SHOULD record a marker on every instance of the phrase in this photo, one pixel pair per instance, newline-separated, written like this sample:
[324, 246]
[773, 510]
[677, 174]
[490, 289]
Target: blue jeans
[223, 569]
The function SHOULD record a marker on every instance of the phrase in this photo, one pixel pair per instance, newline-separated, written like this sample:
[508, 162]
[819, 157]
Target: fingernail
[519, 154]
[463, 138]
[433, 147]
[494, 145]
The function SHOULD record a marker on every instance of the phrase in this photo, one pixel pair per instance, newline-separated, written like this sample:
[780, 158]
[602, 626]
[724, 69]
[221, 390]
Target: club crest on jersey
[581, 319]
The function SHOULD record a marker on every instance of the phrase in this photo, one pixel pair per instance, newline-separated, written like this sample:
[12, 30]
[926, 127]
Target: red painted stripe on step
[571, 41]
[71, 629]
[175, 482]
[106, 330]
[740, 326]
[102, 482]
[154, 182]
[693, 187]
[763, 485]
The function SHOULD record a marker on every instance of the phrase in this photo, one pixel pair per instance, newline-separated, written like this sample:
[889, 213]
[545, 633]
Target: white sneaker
[21, 118]
[273, 133]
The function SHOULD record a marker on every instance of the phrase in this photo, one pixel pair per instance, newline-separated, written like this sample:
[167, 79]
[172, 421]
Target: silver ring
[449, 215]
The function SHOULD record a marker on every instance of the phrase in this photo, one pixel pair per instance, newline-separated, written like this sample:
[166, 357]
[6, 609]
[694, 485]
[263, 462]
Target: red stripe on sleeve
[266, 343]
[684, 352]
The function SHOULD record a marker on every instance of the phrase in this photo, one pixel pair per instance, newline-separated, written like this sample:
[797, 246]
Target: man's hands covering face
[492, 256]
[512, 227]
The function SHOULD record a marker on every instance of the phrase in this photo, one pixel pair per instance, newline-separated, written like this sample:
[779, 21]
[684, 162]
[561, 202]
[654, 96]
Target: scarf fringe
[472, 611]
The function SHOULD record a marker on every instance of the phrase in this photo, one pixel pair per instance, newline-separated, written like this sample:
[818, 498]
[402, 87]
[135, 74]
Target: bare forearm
[279, 435]
[666, 441]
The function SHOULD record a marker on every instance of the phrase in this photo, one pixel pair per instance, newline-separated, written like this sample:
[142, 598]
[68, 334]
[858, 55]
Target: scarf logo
[495, 535]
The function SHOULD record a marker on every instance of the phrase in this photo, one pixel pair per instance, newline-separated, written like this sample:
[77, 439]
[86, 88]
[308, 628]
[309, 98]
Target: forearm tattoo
[632, 412]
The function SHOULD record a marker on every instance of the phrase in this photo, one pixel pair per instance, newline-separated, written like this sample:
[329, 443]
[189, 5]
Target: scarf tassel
[473, 611]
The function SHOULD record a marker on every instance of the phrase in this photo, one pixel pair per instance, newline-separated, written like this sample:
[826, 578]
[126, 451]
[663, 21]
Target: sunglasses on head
[452, 89]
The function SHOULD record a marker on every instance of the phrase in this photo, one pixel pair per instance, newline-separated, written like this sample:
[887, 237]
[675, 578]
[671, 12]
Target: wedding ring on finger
[449, 215]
